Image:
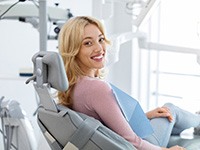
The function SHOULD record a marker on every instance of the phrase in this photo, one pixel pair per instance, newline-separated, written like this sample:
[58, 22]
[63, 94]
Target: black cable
[9, 9]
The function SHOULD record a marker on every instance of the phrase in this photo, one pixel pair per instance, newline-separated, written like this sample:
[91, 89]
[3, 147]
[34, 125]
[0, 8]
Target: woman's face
[92, 52]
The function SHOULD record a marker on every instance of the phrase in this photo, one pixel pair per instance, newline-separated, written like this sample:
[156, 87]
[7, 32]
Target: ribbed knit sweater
[94, 97]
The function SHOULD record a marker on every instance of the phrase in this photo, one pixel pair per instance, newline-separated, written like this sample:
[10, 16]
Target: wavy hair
[69, 41]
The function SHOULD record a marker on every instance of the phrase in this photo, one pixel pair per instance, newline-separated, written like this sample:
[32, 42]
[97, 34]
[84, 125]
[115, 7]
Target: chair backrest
[62, 127]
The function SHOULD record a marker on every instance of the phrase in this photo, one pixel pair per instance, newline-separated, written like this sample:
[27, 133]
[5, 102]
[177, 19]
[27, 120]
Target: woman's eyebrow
[89, 37]
[101, 35]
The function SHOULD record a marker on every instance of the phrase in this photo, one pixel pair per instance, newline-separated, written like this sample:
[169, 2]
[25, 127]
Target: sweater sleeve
[102, 102]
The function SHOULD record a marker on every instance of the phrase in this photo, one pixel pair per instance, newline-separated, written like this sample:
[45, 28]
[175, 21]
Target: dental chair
[66, 129]
[16, 129]
[63, 128]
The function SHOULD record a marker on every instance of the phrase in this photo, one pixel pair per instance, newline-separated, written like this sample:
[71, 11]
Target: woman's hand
[174, 148]
[160, 112]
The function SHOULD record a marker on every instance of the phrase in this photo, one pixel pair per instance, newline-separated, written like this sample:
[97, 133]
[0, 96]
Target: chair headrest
[54, 71]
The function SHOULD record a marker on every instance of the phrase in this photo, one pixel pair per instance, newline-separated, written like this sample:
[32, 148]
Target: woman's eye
[101, 40]
[88, 43]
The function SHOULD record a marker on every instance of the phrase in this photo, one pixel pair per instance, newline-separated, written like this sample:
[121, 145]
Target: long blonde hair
[70, 40]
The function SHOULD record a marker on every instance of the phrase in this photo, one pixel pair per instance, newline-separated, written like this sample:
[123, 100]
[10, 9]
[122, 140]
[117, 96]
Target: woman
[82, 44]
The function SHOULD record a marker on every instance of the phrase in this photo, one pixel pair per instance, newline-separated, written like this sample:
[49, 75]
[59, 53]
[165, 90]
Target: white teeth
[98, 57]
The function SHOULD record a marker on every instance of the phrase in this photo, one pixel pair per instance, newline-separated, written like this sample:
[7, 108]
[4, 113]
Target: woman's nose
[99, 47]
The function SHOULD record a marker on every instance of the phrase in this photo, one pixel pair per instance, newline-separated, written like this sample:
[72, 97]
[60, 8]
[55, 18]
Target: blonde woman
[82, 44]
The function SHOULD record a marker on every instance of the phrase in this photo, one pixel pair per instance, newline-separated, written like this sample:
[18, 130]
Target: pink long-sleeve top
[95, 98]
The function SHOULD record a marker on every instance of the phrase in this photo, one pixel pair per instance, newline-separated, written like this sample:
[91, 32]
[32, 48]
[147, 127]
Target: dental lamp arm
[118, 39]
[170, 48]
[29, 10]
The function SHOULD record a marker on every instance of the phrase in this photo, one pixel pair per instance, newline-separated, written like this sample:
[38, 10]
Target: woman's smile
[98, 57]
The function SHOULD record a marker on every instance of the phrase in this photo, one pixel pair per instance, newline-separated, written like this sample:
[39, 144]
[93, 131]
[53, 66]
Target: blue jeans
[163, 129]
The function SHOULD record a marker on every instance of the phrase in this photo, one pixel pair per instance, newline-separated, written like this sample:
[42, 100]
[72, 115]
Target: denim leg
[163, 128]
[162, 131]
[184, 119]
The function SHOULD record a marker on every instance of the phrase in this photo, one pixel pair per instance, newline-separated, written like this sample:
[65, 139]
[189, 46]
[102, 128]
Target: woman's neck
[92, 73]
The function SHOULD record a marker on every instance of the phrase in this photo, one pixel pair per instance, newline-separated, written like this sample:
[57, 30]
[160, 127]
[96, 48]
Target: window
[172, 76]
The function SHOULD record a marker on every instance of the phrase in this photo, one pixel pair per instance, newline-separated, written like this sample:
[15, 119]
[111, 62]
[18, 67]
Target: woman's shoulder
[93, 83]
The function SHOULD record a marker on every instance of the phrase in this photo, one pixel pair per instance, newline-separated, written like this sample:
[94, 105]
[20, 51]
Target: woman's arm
[105, 105]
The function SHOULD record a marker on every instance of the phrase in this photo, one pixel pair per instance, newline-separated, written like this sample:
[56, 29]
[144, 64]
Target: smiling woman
[91, 56]
[82, 44]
